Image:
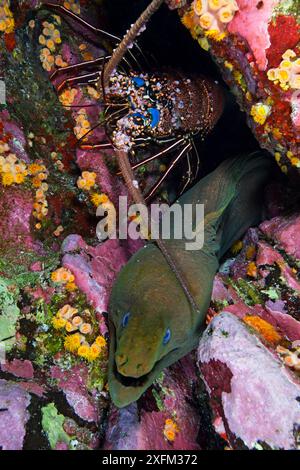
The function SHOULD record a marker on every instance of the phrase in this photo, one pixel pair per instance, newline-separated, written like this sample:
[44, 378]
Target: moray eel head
[149, 319]
[139, 350]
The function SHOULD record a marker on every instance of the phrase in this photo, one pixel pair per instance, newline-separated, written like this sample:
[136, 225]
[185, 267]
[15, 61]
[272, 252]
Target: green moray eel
[152, 324]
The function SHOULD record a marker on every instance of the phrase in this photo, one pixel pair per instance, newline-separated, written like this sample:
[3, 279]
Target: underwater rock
[285, 232]
[256, 46]
[18, 368]
[256, 339]
[95, 268]
[73, 383]
[14, 415]
[165, 418]
[257, 398]
[15, 215]
[51, 204]
[268, 256]
[279, 317]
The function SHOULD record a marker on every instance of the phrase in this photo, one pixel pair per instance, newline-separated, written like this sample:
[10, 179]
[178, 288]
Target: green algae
[271, 293]
[97, 375]
[9, 313]
[288, 7]
[52, 423]
[247, 291]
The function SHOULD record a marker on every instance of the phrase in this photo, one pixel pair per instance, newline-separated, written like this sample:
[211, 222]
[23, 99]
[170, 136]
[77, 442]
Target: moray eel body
[152, 324]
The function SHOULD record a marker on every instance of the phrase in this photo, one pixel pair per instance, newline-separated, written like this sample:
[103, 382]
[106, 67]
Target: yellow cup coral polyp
[58, 323]
[225, 15]
[206, 21]
[213, 16]
[265, 329]
[72, 5]
[290, 358]
[287, 75]
[170, 430]
[12, 170]
[72, 342]
[62, 275]
[84, 351]
[87, 180]
[216, 4]
[85, 328]
[67, 312]
[94, 352]
[198, 7]
[260, 112]
[100, 341]
[7, 22]
[99, 198]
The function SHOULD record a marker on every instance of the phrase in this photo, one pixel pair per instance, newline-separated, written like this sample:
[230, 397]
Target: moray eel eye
[167, 336]
[125, 319]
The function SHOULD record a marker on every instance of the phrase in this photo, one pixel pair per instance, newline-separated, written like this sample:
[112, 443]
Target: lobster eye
[125, 319]
[167, 336]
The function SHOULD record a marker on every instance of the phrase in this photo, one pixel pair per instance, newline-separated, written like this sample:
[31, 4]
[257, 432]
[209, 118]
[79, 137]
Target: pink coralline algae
[258, 54]
[285, 232]
[248, 354]
[268, 256]
[259, 400]
[73, 382]
[15, 212]
[143, 427]
[22, 369]
[95, 268]
[279, 317]
[14, 415]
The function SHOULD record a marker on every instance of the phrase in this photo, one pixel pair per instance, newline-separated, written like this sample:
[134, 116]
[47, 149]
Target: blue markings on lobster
[155, 115]
[139, 81]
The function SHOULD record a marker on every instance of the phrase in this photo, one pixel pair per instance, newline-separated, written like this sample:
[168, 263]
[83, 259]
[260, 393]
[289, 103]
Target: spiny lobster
[166, 109]
[141, 109]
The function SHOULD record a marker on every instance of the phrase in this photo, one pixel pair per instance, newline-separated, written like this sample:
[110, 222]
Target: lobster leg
[96, 146]
[80, 80]
[158, 155]
[88, 64]
[197, 159]
[192, 170]
[154, 188]
[189, 174]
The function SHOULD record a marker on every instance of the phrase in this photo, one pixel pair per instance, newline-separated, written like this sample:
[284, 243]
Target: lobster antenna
[128, 39]
[122, 156]
[138, 198]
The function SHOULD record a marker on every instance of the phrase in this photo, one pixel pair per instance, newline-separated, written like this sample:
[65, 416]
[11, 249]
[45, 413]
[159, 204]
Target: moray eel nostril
[163, 326]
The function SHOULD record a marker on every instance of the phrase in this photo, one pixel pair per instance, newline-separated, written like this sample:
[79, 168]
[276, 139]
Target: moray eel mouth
[125, 390]
[137, 381]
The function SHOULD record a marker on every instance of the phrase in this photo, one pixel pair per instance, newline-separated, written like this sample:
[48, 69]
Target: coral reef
[56, 277]
[257, 310]
[256, 45]
[251, 392]
[14, 415]
[52, 328]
